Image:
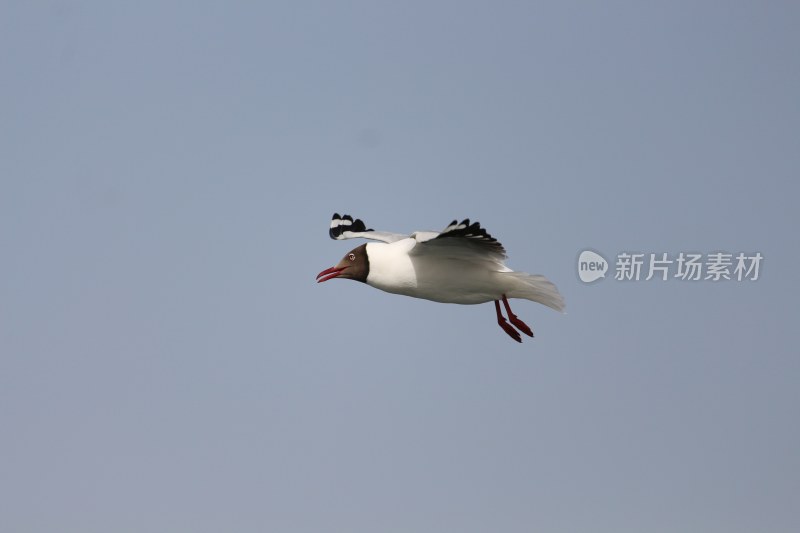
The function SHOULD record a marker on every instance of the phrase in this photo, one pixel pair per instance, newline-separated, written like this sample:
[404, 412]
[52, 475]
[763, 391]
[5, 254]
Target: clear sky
[167, 174]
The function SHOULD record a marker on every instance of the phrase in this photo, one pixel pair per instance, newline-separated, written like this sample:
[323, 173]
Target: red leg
[505, 325]
[520, 325]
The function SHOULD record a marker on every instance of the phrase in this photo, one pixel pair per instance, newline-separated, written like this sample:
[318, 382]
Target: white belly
[441, 280]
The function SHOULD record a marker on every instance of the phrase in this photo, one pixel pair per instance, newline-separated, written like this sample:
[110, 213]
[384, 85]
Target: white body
[452, 276]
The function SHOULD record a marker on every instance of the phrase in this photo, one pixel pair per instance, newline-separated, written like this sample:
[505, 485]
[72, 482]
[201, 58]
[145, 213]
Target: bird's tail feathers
[537, 288]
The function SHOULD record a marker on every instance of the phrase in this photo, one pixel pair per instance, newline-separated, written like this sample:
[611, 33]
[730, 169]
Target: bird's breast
[390, 267]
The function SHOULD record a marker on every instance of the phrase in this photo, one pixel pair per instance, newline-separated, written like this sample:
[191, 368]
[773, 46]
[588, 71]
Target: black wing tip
[342, 223]
[474, 233]
[467, 229]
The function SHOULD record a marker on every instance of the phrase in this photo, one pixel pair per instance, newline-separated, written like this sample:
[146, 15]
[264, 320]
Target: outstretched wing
[462, 241]
[344, 227]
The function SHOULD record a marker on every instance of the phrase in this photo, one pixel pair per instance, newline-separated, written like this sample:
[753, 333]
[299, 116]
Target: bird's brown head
[354, 265]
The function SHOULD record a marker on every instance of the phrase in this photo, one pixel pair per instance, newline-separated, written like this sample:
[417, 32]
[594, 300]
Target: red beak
[329, 273]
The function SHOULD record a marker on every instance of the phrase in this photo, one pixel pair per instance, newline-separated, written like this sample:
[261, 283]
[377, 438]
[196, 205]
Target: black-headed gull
[461, 265]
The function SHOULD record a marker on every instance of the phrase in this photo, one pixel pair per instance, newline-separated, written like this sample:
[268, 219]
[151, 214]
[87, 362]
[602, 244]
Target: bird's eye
[352, 257]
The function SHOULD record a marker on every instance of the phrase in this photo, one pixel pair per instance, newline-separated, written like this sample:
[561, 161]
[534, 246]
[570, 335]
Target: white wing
[344, 227]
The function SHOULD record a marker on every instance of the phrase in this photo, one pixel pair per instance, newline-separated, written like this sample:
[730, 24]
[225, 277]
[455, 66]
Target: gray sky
[167, 174]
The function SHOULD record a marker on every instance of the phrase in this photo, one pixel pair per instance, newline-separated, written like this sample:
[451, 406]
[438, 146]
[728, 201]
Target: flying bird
[462, 264]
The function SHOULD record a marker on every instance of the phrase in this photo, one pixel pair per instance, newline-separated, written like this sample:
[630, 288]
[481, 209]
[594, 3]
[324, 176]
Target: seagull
[462, 264]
